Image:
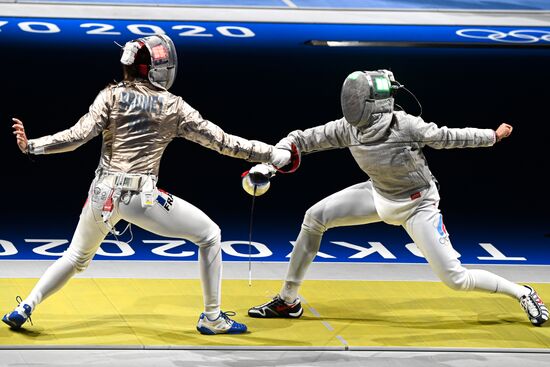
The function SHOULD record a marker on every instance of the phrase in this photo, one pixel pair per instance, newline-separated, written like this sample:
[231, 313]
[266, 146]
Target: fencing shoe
[222, 325]
[19, 316]
[534, 307]
[277, 307]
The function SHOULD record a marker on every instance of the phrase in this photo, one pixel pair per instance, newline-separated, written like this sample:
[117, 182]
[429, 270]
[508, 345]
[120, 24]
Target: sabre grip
[256, 181]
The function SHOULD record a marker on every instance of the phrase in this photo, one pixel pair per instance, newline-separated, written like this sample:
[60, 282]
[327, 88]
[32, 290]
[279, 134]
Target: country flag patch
[441, 227]
[165, 200]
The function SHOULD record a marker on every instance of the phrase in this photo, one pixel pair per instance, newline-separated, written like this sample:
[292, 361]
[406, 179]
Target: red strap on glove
[295, 160]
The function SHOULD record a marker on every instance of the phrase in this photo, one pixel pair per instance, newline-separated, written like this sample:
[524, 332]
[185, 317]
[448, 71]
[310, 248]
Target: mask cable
[395, 86]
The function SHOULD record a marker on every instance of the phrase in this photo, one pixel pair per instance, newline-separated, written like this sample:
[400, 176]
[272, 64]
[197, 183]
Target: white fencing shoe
[534, 307]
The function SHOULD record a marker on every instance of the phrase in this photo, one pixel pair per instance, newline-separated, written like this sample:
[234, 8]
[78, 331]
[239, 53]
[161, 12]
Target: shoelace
[278, 300]
[19, 300]
[530, 305]
[274, 299]
[225, 316]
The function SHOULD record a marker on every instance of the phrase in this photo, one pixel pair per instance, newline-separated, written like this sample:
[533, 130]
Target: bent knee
[313, 220]
[212, 237]
[78, 260]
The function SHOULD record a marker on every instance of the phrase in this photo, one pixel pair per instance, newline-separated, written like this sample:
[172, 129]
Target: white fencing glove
[280, 157]
[129, 52]
[264, 169]
[291, 165]
[256, 181]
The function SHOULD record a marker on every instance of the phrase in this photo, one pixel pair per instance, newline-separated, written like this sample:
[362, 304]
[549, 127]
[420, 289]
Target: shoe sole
[537, 322]
[206, 331]
[290, 315]
[11, 324]
[296, 314]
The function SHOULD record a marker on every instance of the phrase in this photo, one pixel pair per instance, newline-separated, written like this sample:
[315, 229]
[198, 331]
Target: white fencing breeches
[351, 206]
[179, 219]
[358, 205]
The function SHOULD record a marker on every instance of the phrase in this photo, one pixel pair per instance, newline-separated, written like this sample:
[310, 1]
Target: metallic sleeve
[89, 126]
[334, 134]
[194, 128]
[448, 138]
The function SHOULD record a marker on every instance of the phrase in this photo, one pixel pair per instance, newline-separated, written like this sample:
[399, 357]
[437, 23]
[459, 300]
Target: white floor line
[325, 323]
[425, 349]
[268, 270]
[290, 4]
[267, 357]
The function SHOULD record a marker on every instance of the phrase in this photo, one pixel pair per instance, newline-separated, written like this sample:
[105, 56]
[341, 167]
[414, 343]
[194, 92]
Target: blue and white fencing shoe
[19, 316]
[221, 325]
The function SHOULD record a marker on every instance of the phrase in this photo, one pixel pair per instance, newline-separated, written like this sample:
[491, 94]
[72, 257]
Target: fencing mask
[164, 60]
[365, 93]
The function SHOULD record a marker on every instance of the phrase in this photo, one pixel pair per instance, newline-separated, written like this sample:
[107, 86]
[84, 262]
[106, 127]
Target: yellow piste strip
[424, 314]
[164, 312]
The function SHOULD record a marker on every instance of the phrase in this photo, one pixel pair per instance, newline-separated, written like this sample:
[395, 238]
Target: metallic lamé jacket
[389, 150]
[137, 122]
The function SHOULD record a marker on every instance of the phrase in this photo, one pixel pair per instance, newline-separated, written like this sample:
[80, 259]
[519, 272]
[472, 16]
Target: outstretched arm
[447, 138]
[89, 126]
[195, 128]
[334, 134]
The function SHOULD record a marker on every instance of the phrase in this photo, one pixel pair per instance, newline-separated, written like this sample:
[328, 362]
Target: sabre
[250, 237]
[255, 183]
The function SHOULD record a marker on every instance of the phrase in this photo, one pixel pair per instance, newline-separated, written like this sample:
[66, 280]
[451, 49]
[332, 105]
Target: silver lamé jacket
[137, 122]
[389, 150]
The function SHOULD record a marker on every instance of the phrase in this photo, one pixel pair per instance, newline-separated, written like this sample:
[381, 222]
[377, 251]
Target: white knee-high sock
[55, 277]
[489, 282]
[210, 263]
[306, 248]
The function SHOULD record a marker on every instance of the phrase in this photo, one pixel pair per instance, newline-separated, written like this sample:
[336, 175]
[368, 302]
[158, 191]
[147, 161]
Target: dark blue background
[263, 90]
[522, 240]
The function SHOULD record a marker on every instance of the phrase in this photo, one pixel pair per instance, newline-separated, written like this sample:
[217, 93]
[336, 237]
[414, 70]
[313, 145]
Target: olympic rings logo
[515, 36]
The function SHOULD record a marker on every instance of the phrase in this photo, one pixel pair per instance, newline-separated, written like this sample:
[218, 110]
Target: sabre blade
[250, 238]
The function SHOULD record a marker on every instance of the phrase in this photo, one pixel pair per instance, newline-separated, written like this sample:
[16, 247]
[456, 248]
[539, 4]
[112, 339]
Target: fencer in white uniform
[137, 118]
[401, 191]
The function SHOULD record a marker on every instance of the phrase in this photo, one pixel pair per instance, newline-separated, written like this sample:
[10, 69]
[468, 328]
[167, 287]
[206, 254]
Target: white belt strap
[125, 181]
